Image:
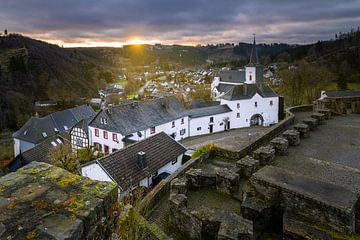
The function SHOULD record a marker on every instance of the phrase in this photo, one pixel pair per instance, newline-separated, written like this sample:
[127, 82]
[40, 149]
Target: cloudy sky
[115, 22]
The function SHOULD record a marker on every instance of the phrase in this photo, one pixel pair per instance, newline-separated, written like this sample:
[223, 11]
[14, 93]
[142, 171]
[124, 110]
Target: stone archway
[256, 120]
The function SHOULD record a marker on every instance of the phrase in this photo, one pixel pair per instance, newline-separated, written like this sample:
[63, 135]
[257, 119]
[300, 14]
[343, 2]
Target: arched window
[256, 104]
[250, 78]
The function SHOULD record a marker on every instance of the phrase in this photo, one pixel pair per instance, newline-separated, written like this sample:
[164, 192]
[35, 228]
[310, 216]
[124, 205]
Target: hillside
[33, 70]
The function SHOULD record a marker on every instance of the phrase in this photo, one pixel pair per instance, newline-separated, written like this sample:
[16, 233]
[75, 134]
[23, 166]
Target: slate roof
[223, 88]
[232, 76]
[121, 165]
[208, 111]
[138, 116]
[84, 124]
[32, 131]
[341, 94]
[200, 103]
[40, 152]
[247, 91]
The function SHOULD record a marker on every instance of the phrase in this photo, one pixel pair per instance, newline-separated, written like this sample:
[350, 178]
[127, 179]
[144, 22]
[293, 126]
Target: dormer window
[66, 127]
[56, 130]
[25, 132]
[54, 144]
[152, 130]
[103, 120]
[44, 134]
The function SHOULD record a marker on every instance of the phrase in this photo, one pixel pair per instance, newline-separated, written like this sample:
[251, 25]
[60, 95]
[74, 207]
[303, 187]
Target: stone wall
[41, 201]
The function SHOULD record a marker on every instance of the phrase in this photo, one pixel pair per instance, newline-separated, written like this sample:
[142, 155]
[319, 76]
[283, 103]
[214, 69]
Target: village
[232, 146]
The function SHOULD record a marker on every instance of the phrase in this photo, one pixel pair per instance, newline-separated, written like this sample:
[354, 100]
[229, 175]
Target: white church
[251, 100]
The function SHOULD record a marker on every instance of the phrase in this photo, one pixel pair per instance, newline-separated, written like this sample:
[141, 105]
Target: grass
[351, 86]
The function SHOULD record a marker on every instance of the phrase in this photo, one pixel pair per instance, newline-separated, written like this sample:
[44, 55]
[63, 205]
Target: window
[182, 132]
[174, 161]
[238, 105]
[44, 134]
[152, 130]
[98, 146]
[271, 103]
[182, 121]
[105, 134]
[173, 124]
[155, 174]
[103, 120]
[256, 104]
[211, 119]
[106, 149]
[250, 77]
[238, 115]
[96, 132]
[115, 139]
[79, 142]
[199, 128]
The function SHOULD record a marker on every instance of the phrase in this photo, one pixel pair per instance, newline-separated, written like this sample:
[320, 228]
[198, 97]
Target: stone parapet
[265, 155]
[247, 166]
[280, 145]
[303, 129]
[292, 136]
[319, 116]
[311, 122]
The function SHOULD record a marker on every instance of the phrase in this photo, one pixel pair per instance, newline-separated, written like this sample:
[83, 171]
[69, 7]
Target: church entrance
[256, 120]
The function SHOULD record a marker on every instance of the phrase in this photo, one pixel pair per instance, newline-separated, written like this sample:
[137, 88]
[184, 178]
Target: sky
[74, 23]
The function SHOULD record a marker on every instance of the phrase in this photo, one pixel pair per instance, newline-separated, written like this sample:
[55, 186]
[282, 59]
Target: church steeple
[254, 59]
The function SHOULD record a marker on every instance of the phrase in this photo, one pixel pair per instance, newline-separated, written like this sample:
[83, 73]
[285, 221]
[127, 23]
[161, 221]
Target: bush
[204, 151]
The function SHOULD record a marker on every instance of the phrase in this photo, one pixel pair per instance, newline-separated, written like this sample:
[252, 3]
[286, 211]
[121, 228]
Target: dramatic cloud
[113, 22]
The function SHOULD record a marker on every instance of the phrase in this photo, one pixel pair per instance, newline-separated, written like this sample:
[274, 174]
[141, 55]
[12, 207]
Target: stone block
[265, 155]
[209, 224]
[194, 177]
[326, 112]
[303, 129]
[247, 166]
[292, 136]
[319, 116]
[179, 186]
[280, 145]
[311, 122]
[234, 227]
[208, 179]
[178, 201]
[227, 181]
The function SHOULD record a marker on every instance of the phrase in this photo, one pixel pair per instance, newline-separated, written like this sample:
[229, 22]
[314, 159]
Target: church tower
[253, 70]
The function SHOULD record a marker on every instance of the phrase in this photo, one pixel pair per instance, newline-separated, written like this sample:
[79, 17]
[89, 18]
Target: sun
[135, 41]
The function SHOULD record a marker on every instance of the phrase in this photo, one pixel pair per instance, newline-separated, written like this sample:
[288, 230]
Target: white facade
[21, 146]
[95, 172]
[208, 124]
[178, 129]
[244, 110]
[250, 75]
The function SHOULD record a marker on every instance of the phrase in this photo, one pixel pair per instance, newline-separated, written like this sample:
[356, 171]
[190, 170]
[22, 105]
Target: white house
[210, 119]
[116, 127]
[251, 100]
[139, 164]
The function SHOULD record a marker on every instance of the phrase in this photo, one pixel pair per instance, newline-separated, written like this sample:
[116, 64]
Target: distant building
[36, 130]
[251, 100]
[139, 164]
[114, 89]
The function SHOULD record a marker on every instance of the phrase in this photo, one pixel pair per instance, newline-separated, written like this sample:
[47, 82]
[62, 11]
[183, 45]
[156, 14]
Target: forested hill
[33, 70]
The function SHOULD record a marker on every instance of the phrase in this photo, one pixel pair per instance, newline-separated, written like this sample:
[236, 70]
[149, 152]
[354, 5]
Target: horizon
[112, 23]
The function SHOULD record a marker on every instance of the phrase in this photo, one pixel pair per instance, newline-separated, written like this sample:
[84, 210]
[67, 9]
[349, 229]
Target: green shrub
[204, 150]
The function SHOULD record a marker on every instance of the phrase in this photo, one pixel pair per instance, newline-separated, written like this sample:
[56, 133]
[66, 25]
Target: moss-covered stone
[41, 201]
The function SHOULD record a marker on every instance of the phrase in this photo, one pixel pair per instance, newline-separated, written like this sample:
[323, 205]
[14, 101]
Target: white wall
[247, 110]
[16, 147]
[204, 122]
[169, 168]
[109, 142]
[250, 71]
[21, 146]
[95, 172]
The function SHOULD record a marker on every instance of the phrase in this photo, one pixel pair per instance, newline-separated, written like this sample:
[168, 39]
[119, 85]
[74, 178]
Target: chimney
[141, 161]
[245, 88]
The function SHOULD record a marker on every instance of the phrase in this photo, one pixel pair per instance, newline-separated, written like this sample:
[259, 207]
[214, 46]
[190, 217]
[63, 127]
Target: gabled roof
[40, 152]
[200, 103]
[208, 111]
[247, 91]
[138, 116]
[84, 124]
[122, 166]
[223, 88]
[342, 94]
[36, 129]
[232, 76]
